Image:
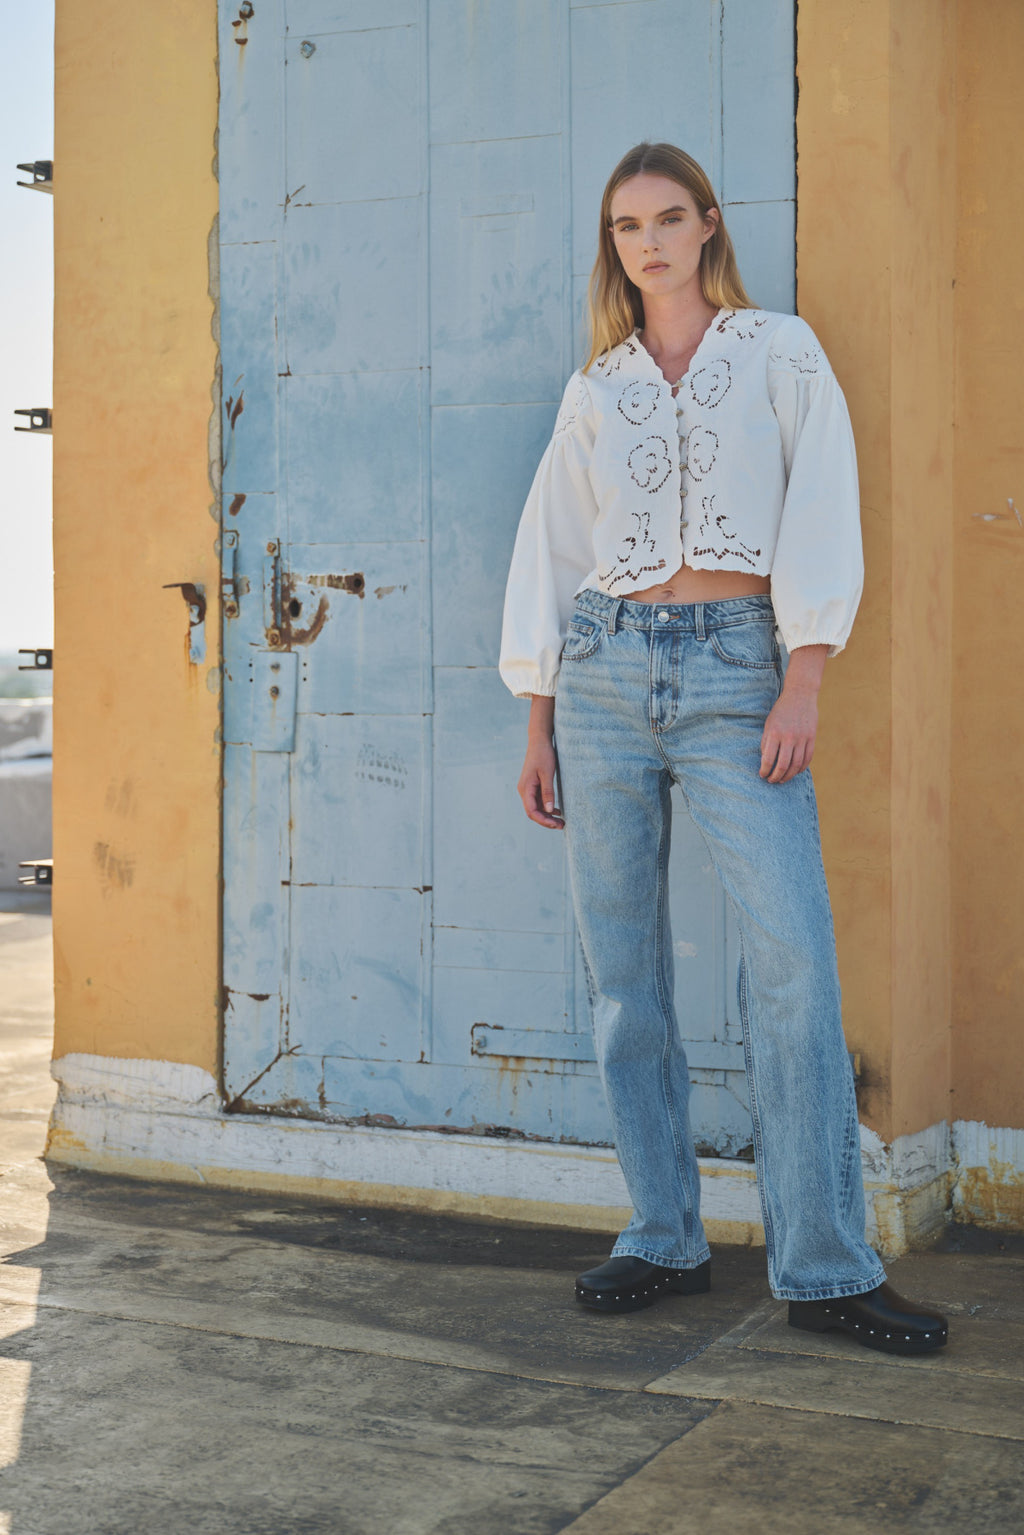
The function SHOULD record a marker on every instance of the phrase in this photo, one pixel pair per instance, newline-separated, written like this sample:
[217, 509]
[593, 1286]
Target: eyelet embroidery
[701, 450]
[637, 548]
[570, 409]
[638, 402]
[604, 364]
[745, 329]
[811, 360]
[650, 464]
[712, 522]
[710, 384]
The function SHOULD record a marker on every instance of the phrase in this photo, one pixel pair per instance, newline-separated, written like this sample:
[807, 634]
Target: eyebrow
[631, 218]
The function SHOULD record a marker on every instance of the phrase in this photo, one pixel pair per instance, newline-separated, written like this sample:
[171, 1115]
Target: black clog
[878, 1318]
[629, 1284]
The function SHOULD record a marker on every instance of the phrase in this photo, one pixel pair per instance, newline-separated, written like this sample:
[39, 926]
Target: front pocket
[582, 640]
[751, 644]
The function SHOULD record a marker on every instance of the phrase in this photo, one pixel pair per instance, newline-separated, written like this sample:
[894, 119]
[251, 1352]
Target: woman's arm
[787, 742]
[537, 780]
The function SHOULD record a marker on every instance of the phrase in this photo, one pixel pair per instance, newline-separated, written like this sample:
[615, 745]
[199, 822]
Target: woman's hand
[787, 741]
[537, 780]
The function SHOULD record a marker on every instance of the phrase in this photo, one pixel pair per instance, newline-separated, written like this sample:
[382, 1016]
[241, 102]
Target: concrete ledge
[160, 1119]
[907, 1187]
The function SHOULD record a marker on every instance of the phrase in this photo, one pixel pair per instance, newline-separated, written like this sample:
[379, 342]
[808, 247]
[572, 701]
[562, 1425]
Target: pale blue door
[408, 197]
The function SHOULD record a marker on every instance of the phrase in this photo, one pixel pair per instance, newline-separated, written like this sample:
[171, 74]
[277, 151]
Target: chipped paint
[1012, 514]
[233, 408]
[135, 1115]
[162, 1119]
[355, 582]
[292, 607]
[241, 23]
[989, 1186]
[195, 600]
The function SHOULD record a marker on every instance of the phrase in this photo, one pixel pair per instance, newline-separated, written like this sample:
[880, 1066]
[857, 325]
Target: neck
[675, 322]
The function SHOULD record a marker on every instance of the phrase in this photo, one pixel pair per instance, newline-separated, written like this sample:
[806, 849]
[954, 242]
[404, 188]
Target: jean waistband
[690, 617]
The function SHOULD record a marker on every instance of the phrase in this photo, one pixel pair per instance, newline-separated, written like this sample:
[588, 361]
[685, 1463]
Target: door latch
[272, 592]
[228, 573]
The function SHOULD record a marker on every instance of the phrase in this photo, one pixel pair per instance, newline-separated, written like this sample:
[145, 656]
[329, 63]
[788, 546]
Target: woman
[700, 490]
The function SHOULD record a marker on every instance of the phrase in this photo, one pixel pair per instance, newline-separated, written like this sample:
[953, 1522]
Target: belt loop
[613, 614]
[699, 615]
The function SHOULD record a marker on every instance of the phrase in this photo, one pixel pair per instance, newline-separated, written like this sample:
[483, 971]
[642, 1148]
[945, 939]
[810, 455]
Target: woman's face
[659, 233]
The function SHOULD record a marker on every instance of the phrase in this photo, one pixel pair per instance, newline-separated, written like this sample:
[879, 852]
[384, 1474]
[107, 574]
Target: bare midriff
[702, 586]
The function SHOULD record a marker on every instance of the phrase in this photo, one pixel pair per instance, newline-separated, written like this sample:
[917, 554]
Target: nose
[650, 240]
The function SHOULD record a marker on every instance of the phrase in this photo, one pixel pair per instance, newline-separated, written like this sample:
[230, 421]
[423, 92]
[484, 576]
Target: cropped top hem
[749, 466]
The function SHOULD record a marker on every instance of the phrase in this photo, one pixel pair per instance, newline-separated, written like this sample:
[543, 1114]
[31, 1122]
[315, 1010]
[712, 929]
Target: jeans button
[664, 617]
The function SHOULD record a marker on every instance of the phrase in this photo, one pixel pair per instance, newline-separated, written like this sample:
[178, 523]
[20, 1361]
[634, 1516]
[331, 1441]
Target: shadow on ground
[194, 1359]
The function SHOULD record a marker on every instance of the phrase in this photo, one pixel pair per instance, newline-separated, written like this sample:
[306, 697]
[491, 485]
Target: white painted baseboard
[163, 1120]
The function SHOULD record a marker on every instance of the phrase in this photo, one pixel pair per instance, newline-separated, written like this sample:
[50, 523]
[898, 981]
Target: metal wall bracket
[42, 175]
[40, 419]
[42, 871]
[42, 660]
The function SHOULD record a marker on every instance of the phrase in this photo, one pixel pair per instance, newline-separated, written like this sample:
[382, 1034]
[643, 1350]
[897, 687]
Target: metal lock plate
[274, 689]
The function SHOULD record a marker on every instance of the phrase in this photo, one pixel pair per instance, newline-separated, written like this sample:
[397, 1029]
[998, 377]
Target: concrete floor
[194, 1360]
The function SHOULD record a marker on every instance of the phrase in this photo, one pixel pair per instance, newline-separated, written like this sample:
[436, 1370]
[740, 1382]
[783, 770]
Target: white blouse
[765, 480]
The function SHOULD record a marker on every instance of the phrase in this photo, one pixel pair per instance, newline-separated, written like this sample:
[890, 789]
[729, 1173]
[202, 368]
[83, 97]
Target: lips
[656, 266]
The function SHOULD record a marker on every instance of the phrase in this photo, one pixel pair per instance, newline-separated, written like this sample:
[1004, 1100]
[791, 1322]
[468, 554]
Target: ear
[711, 222]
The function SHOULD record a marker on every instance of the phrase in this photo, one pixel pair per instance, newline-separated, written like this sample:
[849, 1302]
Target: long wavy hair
[615, 305]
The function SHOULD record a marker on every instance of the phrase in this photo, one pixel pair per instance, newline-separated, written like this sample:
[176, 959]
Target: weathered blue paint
[408, 197]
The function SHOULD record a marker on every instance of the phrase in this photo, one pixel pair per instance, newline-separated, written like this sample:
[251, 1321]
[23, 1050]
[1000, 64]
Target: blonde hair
[615, 305]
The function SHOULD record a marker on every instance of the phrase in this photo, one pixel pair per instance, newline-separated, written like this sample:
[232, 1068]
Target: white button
[664, 617]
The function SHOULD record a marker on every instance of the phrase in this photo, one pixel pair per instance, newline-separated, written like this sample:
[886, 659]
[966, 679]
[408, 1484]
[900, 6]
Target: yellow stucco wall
[988, 678]
[842, 167]
[911, 215]
[137, 760]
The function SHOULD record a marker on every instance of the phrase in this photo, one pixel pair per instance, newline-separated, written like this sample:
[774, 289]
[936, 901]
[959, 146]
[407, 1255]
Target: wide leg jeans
[649, 696]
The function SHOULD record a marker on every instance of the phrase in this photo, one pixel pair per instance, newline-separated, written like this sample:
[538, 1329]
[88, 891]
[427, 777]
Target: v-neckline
[680, 381]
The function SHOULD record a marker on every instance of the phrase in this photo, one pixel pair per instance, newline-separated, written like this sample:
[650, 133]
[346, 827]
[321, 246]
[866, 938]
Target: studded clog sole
[831, 1316]
[661, 1282]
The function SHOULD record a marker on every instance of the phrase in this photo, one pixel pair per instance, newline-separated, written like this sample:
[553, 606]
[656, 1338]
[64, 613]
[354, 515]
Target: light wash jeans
[648, 696]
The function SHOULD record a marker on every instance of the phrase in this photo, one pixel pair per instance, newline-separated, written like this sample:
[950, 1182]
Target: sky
[26, 323]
